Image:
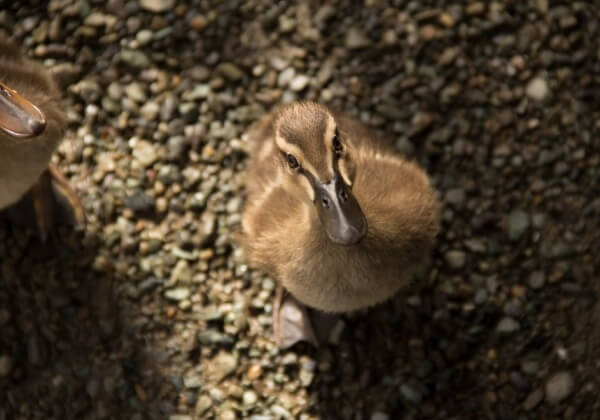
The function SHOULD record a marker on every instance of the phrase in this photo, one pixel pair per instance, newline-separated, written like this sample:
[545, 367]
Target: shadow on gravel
[68, 349]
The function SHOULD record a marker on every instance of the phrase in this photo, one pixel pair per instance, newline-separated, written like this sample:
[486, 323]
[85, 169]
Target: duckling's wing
[397, 198]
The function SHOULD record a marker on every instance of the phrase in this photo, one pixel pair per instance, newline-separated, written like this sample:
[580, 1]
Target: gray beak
[339, 212]
[19, 118]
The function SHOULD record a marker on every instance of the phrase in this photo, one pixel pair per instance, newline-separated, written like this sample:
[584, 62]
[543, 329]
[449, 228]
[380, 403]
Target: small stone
[537, 89]
[476, 8]
[211, 337]
[5, 365]
[285, 77]
[177, 294]
[447, 20]
[355, 39]
[410, 394]
[135, 91]
[542, 6]
[135, 58]
[192, 380]
[536, 280]
[559, 387]
[230, 71]
[144, 36]
[249, 397]
[533, 399]
[157, 6]
[456, 259]
[150, 111]
[222, 365]
[456, 197]
[203, 404]
[144, 153]
[254, 372]
[508, 325]
[517, 224]
[378, 415]
[299, 82]
[140, 202]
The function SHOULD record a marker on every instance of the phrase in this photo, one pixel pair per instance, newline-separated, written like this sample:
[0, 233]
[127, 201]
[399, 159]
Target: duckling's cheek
[307, 187]
[347, 171]
[297, 185]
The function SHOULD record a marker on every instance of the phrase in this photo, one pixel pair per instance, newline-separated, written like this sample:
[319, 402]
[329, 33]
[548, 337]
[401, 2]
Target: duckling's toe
[291, 321]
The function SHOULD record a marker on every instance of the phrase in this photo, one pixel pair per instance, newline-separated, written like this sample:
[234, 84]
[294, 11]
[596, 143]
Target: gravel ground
[151, 312]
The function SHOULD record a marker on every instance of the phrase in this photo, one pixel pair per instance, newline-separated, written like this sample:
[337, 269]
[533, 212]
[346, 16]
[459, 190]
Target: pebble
[475, 8]
[355, 39]
[285, 77]
[517, 224]
[136, 92]
[533, 399]
[5, 365]
[537, 89]
[230, 71]
[299, 82]
[410, 394]
[536, 280]
[177, 294]
[559, 387]
[222, 365]
[157, 6]
[202, 405]
[507, 326]
[456, 197]
[456, 259]
[145, 153]
[249, 398]
[134, 58]
[379, 415]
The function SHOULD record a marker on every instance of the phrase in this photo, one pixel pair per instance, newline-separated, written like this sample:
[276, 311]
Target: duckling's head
[19, 118]
[318, 168]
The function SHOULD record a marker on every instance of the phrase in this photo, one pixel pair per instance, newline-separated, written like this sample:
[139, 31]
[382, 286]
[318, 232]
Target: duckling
[334, 213]
[31, 127]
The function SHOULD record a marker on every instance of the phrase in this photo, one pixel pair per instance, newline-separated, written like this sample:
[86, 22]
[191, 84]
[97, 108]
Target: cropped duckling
[334, 213]
[31, 126]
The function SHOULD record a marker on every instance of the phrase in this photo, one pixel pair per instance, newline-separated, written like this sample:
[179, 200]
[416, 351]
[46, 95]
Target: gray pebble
[517, 224]
[177, 294]
[537, 89]
[536, 280]
[456, 259]
[559, 387]
[157, 6]
[507, 325]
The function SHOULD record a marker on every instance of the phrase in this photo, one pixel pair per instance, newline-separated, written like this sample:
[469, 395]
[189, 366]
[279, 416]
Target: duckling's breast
[346, 279]
[20, 167]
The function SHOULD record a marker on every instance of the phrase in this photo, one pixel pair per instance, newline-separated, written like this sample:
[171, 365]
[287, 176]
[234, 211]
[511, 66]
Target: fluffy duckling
[31, 127]
[334, 213]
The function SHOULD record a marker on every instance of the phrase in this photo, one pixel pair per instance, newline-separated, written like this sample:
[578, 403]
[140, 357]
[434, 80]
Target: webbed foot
[294, 322]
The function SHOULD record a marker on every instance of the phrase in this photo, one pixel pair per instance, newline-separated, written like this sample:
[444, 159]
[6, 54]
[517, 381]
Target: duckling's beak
[19, 118]
[339, 212]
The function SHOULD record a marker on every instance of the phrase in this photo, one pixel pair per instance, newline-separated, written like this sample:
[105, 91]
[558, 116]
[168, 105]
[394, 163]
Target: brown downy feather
[22, 161]
[282, 233]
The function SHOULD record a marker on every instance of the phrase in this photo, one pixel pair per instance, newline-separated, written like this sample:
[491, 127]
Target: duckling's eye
[337, 144]
[292, 161]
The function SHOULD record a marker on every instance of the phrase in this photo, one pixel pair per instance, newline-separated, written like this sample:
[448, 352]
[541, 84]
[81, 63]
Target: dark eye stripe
[338, 148]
